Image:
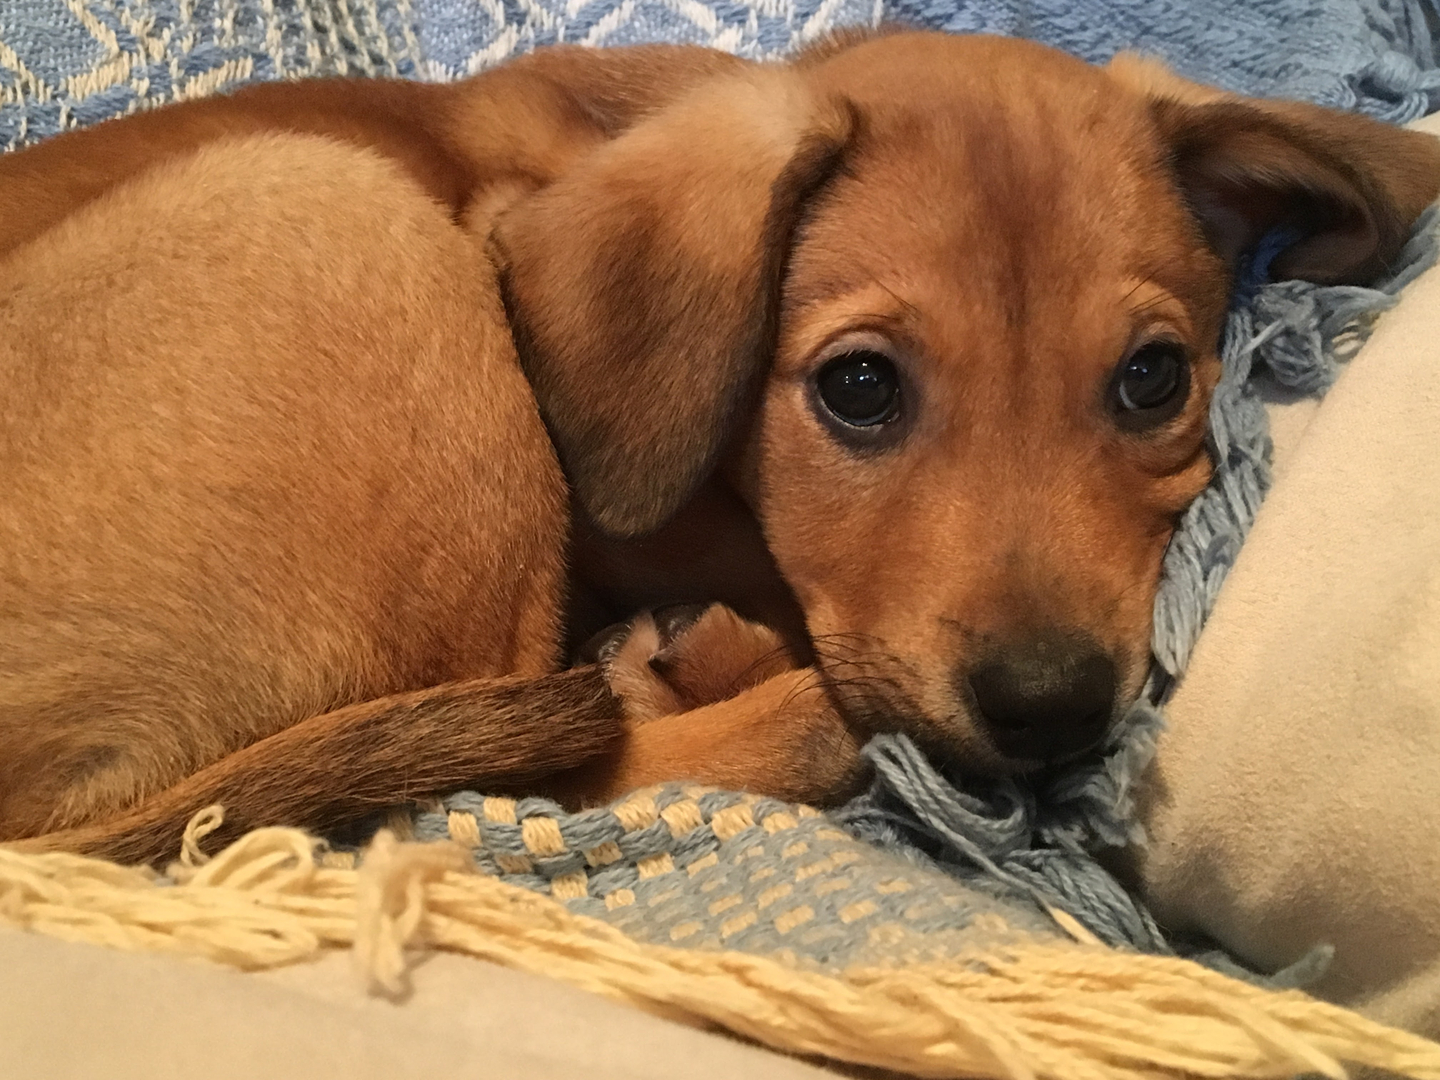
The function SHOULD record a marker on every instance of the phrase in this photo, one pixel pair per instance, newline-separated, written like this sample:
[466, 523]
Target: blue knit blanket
[64, 64]
[1375, 55]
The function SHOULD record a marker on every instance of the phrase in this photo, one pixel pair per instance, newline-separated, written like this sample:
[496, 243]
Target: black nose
[1045, 698]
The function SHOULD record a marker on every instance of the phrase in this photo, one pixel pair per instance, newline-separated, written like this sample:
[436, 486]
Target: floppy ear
[1348, 186]
[642, 286]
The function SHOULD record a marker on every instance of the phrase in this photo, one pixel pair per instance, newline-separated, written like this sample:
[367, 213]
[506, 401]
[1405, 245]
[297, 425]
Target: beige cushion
[1297, 792]
[77, 1011]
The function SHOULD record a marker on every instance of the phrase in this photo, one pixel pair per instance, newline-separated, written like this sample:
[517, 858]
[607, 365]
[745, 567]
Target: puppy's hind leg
[684, 656]
[717, 699]
[266, 452]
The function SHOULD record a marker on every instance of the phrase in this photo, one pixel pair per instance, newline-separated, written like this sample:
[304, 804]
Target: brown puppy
[903, 349]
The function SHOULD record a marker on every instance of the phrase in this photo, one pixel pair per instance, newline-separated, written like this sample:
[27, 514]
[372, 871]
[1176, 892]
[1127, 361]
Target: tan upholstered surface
[1298, 789]
[77, 1011]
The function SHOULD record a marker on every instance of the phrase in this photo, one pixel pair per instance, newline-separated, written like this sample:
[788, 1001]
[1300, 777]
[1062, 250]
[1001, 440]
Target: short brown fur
[279, 508]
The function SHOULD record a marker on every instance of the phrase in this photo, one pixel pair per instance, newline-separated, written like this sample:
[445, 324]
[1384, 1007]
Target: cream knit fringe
[1060, 1012]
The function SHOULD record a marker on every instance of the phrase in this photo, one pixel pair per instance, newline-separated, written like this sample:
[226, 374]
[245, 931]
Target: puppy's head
[944, 310]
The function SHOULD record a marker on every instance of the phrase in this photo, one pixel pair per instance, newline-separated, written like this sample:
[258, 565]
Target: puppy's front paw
[679, 658]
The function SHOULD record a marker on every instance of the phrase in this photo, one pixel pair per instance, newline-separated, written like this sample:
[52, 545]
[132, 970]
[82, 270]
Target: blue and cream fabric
[697, 868]
[67, 63]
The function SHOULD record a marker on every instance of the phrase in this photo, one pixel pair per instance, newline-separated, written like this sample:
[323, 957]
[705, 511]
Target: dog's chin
[954, 740]
[961, 749]
[956, 745]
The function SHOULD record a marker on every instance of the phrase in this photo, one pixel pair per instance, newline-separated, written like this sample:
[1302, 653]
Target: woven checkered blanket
[682, 865]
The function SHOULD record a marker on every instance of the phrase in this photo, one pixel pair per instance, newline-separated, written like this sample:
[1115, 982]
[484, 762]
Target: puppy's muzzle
[1044, 698]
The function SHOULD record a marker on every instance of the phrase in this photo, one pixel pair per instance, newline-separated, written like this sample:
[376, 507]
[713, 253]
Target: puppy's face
[944, 310]
[988, 404]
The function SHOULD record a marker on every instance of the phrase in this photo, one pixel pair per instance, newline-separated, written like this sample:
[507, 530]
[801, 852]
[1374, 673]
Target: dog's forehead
[992, 175]
[988, 197]
[1014, 142]
[895, 64]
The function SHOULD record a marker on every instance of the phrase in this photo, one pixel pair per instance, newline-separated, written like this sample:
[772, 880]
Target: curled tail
[362, 758]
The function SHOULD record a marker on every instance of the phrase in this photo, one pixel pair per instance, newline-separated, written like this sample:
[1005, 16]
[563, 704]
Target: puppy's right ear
[642, 286]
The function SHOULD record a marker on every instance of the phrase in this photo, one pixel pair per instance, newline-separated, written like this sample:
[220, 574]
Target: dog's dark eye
[1151, 384]
[860, 388]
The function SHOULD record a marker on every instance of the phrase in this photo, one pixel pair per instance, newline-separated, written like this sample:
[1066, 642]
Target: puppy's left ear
[1350, 187]
[642, 287]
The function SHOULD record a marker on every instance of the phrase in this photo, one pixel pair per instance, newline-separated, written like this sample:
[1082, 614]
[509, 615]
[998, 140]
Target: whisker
[760, 661]
[814, 680]
[1138, 286]
[866, 680]
[910, 309]
[1156, 302]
